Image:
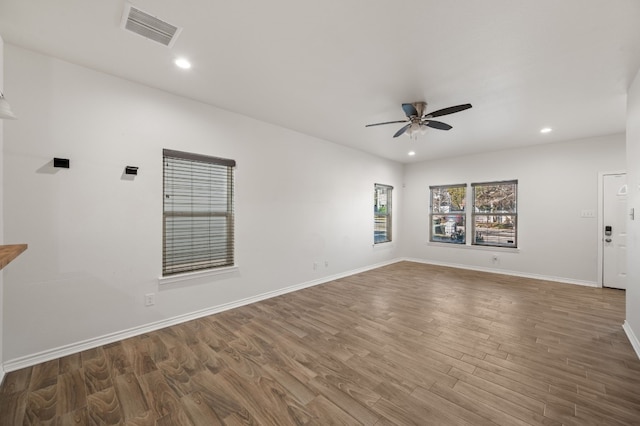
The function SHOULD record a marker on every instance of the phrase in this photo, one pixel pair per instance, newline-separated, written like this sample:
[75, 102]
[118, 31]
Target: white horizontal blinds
[198, 212]
[495, 183]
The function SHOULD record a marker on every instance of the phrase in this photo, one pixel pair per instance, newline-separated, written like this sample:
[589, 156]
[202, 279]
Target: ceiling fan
[417, 121]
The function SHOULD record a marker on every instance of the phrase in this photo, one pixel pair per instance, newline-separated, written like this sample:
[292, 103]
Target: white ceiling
[328, 67]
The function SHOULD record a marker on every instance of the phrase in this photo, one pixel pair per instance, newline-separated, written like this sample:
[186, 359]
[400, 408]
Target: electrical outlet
[326, 263]
[149, 299]
[588, 213]
[315, 266]
[494, 258]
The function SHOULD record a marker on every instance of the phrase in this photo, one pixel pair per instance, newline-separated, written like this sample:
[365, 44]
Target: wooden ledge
[10, 252]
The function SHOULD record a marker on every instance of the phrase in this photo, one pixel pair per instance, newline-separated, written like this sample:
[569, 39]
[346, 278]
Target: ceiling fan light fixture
[414, 130]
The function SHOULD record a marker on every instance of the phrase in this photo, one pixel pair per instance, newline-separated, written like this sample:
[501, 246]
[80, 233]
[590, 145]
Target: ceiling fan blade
[402, 130]
[449, 110]
[437, 125]
[386, 122]
[409, 110]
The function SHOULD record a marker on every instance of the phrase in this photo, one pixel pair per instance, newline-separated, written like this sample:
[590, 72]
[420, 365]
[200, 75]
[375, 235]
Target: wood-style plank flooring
[406, 344]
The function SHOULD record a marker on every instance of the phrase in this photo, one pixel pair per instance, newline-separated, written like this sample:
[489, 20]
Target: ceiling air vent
[149, 26]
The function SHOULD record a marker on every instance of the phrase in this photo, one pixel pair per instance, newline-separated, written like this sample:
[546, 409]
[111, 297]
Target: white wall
[95, 238]
[555, 183]
[632, 325]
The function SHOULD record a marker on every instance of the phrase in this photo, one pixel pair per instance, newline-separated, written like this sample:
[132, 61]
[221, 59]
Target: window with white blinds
[198, 224]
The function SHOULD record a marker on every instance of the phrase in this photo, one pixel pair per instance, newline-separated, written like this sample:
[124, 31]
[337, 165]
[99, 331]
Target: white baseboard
[51, 354]
[633, 339]
[506, 272]
[2, 374]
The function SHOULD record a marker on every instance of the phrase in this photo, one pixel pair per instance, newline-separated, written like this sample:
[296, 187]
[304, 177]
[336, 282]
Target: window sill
[382, 246]
[190, 276]
[474, 247]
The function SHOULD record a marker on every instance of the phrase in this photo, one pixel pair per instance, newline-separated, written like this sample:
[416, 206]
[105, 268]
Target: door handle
[608, 240]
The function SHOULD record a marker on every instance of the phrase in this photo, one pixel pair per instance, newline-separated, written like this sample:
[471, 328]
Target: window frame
[455, 239]
[386, 214]
[221, 253]
[501, 214]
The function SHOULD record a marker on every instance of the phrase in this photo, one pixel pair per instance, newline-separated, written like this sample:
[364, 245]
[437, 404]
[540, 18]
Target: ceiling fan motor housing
[420, 107]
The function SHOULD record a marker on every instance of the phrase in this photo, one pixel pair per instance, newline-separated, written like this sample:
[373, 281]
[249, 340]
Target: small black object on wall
[61, 162]
[131, 170]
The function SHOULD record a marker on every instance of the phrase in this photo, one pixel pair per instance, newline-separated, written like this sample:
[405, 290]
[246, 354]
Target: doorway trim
[601, 221]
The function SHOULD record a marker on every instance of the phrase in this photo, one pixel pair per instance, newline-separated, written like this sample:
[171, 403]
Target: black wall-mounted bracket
[61, 163]
[131, 170]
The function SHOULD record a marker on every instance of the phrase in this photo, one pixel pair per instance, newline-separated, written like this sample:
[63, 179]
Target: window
[382, 213]
[198, 231]
[447, 214]
[495, 214]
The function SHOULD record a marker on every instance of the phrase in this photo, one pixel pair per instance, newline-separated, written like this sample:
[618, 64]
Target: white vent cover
[149, 26]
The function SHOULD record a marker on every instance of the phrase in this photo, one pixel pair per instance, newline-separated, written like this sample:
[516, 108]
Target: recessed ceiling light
[412, 153]
[183, 63]
[545, 130]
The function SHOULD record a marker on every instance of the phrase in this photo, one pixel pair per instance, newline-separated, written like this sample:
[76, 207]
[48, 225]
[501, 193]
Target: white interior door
[614, 260]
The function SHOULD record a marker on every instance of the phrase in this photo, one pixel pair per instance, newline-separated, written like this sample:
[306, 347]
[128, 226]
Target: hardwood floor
[400, 345]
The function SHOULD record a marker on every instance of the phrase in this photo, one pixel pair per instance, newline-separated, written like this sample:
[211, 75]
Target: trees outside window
[495, 213]
[447, 214]
[382, 213]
